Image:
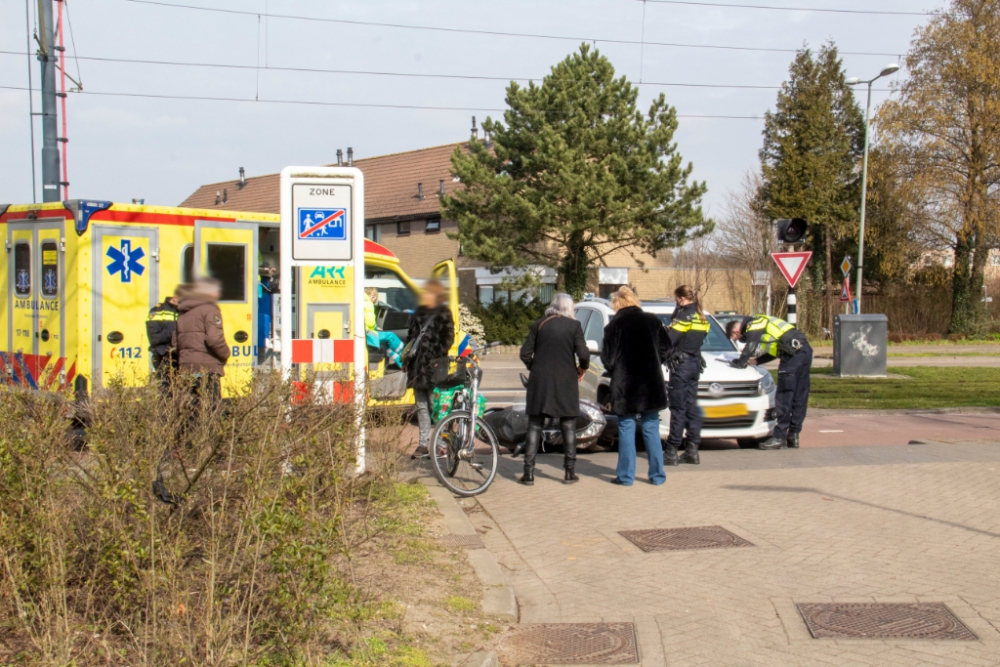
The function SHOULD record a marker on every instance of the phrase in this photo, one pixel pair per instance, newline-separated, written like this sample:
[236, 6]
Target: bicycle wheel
[463, 469]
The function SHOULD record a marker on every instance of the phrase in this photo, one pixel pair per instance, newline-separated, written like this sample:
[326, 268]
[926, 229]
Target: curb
[498, 591]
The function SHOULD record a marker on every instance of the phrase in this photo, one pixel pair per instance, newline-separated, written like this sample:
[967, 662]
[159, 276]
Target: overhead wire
[363, 105]
[419, 75]
[495, 33]
[700, 3]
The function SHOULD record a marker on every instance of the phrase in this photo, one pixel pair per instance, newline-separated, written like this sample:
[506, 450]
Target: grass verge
[924, 387]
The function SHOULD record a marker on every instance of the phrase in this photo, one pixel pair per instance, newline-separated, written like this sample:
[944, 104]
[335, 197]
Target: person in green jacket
[380, 339]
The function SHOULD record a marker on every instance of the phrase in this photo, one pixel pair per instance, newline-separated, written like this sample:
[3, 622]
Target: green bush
[251, 563]
[507, 322]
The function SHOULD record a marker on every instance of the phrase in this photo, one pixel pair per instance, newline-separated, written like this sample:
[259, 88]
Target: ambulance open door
[447, 275]
[227, 251]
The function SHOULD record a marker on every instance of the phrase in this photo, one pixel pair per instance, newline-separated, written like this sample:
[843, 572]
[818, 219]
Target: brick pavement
[851, 524]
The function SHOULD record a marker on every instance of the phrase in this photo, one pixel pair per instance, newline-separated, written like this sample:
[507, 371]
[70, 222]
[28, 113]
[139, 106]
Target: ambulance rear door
[50, 275]
[125, 276]
[227, 251]
[446, 273]
[20, 300]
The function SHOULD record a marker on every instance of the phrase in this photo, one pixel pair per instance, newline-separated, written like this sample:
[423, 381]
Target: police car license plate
[723, 411]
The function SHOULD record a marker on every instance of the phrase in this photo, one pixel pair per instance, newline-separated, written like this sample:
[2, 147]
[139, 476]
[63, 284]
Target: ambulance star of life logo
[23, 280]
[125, 262]
[323, 224]
[49, 282]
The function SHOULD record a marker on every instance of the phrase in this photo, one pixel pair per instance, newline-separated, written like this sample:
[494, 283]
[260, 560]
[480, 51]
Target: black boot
[568, 427]
[772, 443]
[670, 455]
[530, 452]
[691, 457]
[518, 450]
[793, 441]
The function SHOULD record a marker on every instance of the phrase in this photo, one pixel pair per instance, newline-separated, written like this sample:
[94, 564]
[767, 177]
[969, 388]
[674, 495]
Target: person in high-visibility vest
[687, 331]
[766, 338]
[160, 327]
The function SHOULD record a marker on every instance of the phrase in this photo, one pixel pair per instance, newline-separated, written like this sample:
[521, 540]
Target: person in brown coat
[199, 339]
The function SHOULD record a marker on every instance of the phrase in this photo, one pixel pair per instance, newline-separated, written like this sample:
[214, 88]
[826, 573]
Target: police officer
[766, 338]
[160, 326]
[687, 331]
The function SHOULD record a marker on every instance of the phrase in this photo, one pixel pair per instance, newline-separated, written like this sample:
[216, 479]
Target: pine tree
[811, 158]
[574, 173]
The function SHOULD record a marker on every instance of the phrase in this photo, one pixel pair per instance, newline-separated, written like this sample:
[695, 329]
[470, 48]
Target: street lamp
[889, 69]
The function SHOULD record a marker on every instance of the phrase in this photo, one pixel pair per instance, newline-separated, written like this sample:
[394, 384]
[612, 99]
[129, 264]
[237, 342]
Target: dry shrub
[249, 565]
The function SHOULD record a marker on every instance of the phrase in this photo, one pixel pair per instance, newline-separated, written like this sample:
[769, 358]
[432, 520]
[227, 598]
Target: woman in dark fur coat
[635, 347]
[433, 324]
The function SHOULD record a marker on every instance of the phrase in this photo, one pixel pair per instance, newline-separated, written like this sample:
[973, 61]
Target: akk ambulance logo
[323, 224]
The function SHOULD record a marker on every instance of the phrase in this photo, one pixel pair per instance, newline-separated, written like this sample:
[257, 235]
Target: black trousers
[534, 440]
[792, 398]
[685, 415]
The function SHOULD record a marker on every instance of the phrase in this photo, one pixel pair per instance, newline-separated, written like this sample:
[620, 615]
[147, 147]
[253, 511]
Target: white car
[737, 403]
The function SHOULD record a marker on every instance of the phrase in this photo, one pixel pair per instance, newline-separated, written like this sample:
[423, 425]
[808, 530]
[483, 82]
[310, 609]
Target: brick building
[403, 213]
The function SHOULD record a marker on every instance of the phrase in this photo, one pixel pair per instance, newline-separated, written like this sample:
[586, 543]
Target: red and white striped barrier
[317, 351]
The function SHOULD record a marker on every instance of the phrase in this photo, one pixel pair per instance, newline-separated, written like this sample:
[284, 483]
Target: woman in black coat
[432, 330]
[635, 347]
[551, 351]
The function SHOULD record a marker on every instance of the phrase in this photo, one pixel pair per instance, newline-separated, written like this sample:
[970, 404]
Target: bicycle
[464, 450]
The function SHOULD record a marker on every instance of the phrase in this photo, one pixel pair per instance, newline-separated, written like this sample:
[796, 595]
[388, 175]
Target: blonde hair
[372, 292]
[623, 298]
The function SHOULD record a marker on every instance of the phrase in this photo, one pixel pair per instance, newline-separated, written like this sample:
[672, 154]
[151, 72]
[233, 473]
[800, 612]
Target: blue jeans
[626, 447]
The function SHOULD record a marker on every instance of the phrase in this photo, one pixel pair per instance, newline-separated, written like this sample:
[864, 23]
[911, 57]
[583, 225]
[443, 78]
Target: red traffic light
[791, 230]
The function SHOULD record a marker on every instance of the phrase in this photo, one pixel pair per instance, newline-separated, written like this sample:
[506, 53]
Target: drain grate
[677, 539]
[467, 541]
[883, 621]
[570, 644]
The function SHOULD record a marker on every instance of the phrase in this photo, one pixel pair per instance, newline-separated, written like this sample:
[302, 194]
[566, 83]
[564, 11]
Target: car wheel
[748, 443]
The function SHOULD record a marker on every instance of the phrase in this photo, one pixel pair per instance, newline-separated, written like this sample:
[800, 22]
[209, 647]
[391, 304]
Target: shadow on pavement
[802, 489]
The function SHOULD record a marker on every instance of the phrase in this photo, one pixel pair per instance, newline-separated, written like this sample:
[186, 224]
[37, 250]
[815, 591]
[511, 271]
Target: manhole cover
[883, 621]
[467, 541]
[676, 539]
[571, 644]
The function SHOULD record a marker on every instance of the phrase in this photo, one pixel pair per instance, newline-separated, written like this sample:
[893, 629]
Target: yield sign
[791, 265]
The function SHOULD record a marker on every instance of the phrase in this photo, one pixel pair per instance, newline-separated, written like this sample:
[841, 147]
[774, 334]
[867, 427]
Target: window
[50, 269]
[227, 263]
[373, 233]
[433, 226]
[582, 316]
[595, 330]
[403, 228]
[187, 264]
[485, 294]
[22, 269]
[392, 291]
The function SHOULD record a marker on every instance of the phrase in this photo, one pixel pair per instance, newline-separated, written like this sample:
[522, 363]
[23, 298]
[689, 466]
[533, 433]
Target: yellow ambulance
[81, 276]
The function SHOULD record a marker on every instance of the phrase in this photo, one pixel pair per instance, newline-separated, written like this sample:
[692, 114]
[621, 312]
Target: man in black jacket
[160, 328]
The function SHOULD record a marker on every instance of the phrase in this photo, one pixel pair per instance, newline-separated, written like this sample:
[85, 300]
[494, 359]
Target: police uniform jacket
[768, 338]
[687, 331]
[160, 329]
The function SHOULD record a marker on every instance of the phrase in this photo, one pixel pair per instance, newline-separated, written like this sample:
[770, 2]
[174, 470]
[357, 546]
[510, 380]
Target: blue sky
[162, 149]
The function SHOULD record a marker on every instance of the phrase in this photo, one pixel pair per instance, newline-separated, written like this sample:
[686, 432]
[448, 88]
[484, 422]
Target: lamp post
[889, 69]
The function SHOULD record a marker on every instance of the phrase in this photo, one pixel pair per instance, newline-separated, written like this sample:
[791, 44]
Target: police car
[738, 403]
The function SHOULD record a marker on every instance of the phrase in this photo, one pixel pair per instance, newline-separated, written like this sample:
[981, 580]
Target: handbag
[411, 347]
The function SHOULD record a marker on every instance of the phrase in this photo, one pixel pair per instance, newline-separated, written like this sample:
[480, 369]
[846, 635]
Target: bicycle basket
[449, 372]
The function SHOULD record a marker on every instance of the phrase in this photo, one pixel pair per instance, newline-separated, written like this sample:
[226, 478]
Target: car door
[588, 317]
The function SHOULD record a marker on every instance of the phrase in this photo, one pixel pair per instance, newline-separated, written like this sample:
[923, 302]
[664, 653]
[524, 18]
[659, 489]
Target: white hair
[561, 304]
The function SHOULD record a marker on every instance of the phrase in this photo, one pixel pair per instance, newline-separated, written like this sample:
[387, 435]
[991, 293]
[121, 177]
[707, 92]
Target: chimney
[420, 190]
[475, 130]
[340, 157]
[350, 156]
[218, 197]
[225, 195]
[243, 178]
[440, 188]
[488, 137]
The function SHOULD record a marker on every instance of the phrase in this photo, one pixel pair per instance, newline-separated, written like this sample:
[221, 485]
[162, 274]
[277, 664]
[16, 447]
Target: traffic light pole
[792, 302]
